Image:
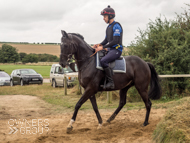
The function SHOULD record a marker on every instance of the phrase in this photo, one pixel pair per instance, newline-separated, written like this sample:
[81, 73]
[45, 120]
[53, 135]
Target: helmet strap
[109, 19]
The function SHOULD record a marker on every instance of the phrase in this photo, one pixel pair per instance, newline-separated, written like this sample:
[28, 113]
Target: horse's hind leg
[122, 102]
[95, 107]
[144, 95]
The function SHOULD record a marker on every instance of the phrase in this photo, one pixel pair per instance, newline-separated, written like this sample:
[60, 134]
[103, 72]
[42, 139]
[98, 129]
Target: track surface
[38, 123]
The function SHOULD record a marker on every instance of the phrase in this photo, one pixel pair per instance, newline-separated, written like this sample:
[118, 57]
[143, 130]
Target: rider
[112, 43]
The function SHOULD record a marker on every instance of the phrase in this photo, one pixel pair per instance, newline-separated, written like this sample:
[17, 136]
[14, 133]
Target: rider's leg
[111, 56]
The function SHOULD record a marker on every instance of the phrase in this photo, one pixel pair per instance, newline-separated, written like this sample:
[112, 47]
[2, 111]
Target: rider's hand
[99, 48]
[95, 46]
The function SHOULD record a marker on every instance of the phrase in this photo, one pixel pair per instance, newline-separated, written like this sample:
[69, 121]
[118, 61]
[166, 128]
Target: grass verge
[175, 125]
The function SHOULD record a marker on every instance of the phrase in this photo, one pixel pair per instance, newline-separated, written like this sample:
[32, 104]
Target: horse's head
[67, 48]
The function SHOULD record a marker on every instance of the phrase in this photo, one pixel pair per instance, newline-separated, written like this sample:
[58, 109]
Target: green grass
[43, 70]
[56, 97]
[175, 125]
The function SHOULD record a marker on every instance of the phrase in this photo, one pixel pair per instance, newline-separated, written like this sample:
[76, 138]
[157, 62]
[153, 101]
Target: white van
[57, 75]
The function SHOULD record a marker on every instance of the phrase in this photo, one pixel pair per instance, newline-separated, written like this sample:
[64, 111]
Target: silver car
[4, 78]
[57, 75]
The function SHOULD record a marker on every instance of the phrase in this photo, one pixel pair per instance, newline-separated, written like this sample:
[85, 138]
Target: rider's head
[108, 14]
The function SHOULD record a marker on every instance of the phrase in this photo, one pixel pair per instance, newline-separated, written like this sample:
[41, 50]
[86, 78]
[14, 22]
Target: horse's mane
[82, 38]
[78, 35]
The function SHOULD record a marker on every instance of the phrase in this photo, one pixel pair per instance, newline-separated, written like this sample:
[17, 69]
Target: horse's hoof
[145, 124]
[69, 129]
[108, 121]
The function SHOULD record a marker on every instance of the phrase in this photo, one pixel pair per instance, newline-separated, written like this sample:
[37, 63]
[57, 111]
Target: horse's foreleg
[82, 100]
[122, 102]
[95, 107]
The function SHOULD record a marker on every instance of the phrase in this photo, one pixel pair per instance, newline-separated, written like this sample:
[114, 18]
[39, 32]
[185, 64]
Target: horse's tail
[155, 90]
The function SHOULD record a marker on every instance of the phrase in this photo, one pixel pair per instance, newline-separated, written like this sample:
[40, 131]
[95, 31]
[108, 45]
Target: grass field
[43, 70]
[36, 48]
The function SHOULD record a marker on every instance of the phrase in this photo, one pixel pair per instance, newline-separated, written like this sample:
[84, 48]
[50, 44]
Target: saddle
[118, 66]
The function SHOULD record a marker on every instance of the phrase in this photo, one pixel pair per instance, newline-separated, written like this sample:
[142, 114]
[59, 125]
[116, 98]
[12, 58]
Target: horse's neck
[83, 55]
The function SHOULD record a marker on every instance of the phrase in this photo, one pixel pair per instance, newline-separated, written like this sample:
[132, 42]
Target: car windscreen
[67, 70]
[28, 71]
[3, 74]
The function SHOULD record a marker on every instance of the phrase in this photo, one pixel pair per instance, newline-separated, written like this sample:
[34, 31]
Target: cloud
[42, 20]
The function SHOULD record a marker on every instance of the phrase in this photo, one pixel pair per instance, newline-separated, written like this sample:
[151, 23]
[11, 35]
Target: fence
[109, 94]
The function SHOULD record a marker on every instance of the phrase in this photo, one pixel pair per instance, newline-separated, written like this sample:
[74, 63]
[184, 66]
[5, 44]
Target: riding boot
[109, 77]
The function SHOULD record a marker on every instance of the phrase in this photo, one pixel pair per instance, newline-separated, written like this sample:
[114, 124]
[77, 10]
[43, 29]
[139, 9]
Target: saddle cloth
[118, 66]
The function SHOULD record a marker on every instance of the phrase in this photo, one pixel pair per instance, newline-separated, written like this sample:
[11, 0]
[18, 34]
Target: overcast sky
[42, 20]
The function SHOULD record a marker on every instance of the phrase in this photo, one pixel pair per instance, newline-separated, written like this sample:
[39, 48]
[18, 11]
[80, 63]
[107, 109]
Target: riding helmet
[108, 11]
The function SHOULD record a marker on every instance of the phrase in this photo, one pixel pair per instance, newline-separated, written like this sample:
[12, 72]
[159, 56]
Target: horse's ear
[64, 33]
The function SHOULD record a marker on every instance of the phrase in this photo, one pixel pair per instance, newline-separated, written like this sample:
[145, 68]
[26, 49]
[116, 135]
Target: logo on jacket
[117, 31]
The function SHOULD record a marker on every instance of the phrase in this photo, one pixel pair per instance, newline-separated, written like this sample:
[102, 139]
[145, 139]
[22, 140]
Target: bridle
[73, 46]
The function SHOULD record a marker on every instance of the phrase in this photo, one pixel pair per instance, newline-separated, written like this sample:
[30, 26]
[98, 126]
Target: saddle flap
[118, 66]
[112, 64]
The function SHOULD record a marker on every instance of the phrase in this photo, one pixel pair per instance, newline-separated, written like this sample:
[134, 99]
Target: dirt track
[38, 123]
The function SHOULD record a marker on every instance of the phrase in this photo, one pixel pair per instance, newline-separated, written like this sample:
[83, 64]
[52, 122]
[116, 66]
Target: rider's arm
[104, 42]
[113, 42]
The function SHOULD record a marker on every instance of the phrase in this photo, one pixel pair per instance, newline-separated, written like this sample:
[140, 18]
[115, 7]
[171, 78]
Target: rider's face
[106, 18]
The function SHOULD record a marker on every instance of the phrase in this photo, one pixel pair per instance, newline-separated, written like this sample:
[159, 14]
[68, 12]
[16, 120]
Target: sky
[42, 20]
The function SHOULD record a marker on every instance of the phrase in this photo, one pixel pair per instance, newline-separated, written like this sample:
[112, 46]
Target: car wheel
[41, 83]
[11, 83]
[54, 84]
[21, 82]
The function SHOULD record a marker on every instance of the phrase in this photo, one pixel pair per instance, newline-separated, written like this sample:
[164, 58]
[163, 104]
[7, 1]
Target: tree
[30, 58]
[8, 54]
[22, 55]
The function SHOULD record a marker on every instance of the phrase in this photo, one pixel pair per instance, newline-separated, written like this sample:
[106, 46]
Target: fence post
[65, 84]
[109, 96]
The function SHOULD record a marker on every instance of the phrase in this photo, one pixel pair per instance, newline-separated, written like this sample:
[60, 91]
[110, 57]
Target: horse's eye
[65, 45]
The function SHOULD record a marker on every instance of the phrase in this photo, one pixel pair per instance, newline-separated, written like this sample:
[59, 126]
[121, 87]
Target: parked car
[25, 76]
[57, 75]
[4, 78]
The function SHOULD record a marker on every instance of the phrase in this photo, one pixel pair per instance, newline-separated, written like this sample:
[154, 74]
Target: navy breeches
[110, 57]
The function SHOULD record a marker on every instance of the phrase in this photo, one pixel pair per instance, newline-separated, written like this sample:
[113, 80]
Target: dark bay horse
[139, 74]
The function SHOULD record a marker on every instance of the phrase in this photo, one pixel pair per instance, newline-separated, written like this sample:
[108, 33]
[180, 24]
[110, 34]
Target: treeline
[9, 54]
[166, 44]
[34, 58]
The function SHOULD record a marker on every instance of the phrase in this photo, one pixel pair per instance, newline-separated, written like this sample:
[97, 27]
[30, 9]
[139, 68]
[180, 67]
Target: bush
[166, 44]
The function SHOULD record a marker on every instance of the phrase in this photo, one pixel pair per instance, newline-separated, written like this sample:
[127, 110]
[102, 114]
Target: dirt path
[29, 119]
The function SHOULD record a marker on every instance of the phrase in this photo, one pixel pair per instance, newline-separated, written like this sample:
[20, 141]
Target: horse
[138, 73]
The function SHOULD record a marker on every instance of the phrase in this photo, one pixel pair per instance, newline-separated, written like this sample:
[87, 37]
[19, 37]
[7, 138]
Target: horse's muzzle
[63, 65]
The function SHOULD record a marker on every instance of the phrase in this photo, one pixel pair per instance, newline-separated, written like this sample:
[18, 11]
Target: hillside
[41, 49]
[36, 48]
